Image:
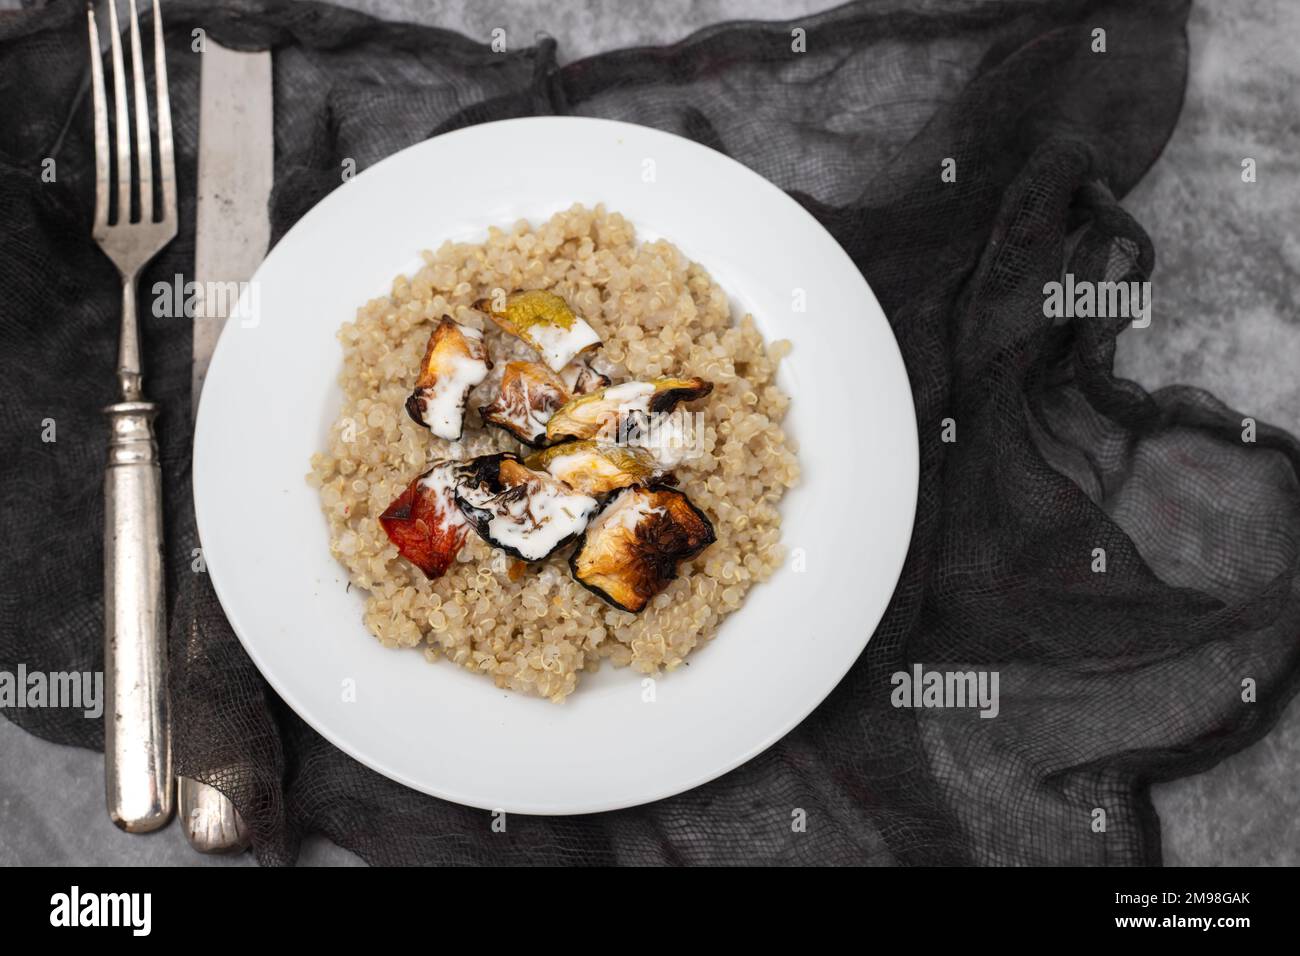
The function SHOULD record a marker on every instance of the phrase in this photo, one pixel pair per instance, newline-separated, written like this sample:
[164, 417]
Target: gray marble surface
[1229, 258]
[1227, 265]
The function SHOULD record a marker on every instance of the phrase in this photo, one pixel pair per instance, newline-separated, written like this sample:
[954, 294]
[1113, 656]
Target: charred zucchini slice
[631, 549]
[603, 411]
[527, 514]
[455, 360]
[545, 321]
[425, 522]
[530, 393]
[595, 467]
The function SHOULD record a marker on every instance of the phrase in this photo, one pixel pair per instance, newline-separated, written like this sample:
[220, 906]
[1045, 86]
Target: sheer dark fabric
[1109, 680]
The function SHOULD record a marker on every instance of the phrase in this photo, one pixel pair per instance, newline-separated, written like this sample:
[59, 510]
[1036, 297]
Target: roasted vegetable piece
[631, 549]
[580, 378]
[454, 362]
[526, 513]
[595, 467]
[425, 522]
[530, 393]
[545, 321]
[600, 412]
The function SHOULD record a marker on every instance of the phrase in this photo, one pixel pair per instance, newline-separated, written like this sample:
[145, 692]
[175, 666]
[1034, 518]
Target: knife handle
[211, 822]
[138, 778]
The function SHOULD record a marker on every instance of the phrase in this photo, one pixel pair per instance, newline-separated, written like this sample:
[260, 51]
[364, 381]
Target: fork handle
[138, 776]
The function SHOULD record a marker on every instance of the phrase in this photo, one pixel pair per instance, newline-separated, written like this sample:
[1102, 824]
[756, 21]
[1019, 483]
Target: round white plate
[271, 394]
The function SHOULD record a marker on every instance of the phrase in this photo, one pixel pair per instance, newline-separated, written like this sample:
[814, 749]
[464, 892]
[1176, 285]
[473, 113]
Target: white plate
[272, 393]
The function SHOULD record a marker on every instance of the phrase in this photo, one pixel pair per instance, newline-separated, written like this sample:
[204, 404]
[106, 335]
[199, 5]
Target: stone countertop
[1228, 260]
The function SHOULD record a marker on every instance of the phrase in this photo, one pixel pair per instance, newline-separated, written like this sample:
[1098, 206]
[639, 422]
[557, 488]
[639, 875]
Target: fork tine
[101, 120]
[122, 131]
[143, 150]
[166, 158]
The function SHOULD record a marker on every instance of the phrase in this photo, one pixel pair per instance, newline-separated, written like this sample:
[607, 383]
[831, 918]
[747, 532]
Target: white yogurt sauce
[630, 396]
[443, 405]
[536, 523]
[666, 438]
[569, 466]
[616, 406]
[441, 480]
[663, 434]
[559, 345]
[626, 512]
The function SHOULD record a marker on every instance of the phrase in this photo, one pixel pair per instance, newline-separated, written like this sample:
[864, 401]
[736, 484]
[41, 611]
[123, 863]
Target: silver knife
[236, 154]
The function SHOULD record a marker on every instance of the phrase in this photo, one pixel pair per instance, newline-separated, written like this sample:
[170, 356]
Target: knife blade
[232, 229]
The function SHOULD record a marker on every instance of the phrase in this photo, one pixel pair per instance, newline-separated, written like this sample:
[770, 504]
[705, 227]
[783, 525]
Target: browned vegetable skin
[631, 549]
[595, 467]
[424, 521]
[598, 412]
[669, 393]
[530, 393]
[455, 360]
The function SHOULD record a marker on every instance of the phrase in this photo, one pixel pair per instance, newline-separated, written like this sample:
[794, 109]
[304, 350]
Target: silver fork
[137, 746]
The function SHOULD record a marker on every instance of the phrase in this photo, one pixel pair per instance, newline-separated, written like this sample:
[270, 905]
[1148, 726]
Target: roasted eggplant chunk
[454, 362]
[595, 467]
[425, 522]
[581, 379]
[527, 514]
[530, 393]
[611, 411]
[545, 321]
[631, 549]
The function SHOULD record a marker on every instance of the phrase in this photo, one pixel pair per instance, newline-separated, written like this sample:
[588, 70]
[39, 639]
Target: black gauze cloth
[1109, 680]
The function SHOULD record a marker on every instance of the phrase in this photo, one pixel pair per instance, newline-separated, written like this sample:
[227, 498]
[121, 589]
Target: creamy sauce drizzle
[441, 480]
[535, 523]
[626, 513]
[566, 467]
[443, 405]
[528, 414]
[559, 345]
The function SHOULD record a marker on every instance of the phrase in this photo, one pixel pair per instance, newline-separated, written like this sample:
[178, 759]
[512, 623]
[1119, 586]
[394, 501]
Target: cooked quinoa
[532, 628]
